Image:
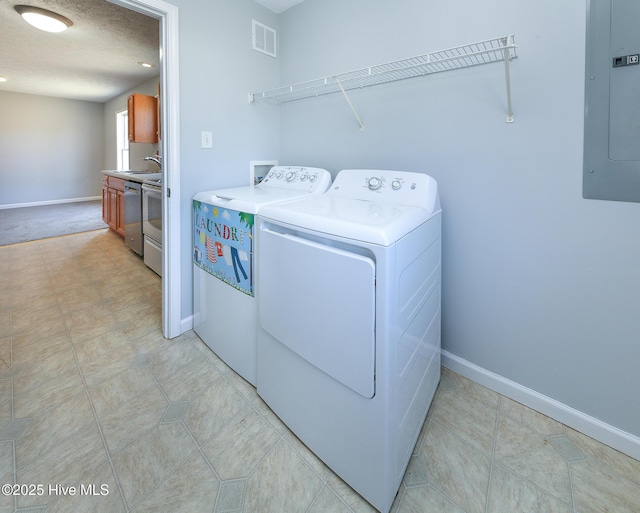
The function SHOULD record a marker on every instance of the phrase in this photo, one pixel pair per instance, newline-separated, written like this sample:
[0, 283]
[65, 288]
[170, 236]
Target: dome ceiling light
[42, 19]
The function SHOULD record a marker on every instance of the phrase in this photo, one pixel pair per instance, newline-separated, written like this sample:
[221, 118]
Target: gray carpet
[33, 223]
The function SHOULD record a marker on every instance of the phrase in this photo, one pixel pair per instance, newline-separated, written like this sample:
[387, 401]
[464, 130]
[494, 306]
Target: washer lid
[248, 199]
[282, 183]
[365, 221]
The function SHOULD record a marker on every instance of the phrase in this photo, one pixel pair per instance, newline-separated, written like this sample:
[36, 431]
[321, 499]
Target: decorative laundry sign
[223, 244]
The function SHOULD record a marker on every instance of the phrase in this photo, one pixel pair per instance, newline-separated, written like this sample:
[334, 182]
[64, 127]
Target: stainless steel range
[152, 224]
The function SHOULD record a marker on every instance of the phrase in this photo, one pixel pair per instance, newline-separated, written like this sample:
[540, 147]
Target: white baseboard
[186, 324]
[50, 202]
[590, 426]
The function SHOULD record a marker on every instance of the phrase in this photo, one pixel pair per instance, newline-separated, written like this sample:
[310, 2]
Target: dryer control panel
[385, 186]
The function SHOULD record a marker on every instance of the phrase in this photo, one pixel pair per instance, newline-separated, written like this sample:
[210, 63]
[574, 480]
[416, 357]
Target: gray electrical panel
[612, 101]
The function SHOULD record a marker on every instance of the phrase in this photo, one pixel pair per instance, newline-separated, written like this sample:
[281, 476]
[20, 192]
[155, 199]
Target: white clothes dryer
[349, 322]
[224, 252]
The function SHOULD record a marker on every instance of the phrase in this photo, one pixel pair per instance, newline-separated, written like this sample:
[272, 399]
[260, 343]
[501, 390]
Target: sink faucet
[157, 159]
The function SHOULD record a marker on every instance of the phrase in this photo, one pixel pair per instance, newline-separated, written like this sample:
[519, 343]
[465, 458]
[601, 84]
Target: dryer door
[319, 301]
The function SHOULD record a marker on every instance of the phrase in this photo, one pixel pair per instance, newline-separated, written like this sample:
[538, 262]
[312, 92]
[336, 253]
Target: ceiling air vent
[264, 38]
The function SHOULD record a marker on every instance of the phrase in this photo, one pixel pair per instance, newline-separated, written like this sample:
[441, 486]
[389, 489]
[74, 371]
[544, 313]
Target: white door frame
[167, 14]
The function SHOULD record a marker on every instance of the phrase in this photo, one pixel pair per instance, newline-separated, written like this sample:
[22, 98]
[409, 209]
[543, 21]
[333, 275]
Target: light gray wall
[136, 150]
[50, 149]
[218, 70]
[539, 285]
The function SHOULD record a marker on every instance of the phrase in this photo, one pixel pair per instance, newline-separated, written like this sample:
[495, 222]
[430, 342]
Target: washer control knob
[279, 175]
[396, 184]
[304, 178]
[374, 183]
[313, 178]
[290, 176]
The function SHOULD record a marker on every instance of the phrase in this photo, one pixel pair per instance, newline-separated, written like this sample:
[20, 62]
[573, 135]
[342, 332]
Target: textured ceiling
[96, 59]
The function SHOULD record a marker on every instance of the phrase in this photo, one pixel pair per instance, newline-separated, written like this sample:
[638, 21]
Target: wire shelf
[474, 54]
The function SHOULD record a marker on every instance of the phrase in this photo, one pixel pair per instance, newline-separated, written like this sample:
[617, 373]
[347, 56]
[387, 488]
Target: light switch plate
[207, 140]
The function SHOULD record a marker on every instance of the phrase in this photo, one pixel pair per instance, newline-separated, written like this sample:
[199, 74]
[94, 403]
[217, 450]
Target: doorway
[167, 14]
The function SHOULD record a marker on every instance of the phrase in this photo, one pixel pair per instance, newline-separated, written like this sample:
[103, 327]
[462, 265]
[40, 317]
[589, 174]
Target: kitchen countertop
[133, 176]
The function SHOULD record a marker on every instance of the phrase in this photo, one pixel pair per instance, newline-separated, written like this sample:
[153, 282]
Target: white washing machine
[224, 252]
[349, 322]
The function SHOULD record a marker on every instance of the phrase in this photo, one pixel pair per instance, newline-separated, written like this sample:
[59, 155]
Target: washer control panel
[297, 178]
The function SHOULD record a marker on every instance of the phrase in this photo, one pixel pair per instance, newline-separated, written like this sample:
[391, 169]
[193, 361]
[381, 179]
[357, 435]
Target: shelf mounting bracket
[346, 97]
[507, 74]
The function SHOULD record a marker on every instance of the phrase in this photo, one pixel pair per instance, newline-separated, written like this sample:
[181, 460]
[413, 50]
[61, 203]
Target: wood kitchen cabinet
[143, 118]
[159, 114]
[113, 203]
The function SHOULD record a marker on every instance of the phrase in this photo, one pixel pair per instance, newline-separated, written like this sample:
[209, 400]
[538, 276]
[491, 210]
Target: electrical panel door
[612, 101]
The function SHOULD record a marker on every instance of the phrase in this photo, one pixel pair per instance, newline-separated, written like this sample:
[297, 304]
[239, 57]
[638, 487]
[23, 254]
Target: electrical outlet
[207, 140]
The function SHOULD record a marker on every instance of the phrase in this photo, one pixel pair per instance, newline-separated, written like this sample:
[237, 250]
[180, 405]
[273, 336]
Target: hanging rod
[473, 54]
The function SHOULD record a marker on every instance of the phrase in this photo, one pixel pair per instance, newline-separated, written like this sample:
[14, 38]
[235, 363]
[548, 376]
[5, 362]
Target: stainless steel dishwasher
[133, 216]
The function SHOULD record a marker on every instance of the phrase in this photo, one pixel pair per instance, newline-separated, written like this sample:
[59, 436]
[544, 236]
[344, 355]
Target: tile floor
[93, 397]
